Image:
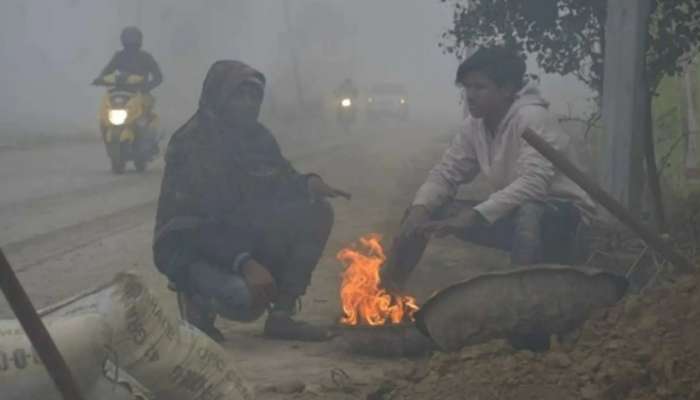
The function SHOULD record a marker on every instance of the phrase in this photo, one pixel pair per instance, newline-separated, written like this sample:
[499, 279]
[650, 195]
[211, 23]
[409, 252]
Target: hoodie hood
[223, 77]
[529, 95]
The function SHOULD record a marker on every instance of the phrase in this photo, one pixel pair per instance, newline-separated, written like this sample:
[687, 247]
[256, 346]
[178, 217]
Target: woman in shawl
[238, 230]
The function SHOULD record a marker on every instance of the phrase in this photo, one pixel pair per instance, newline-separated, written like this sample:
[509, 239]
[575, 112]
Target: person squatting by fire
[533, 211]
[238, 230]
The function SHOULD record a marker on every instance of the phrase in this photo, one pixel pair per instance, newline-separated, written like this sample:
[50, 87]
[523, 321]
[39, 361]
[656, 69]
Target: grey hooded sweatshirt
[516, 172]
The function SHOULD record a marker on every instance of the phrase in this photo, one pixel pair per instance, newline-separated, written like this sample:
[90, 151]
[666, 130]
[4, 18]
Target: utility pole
[294, 50]
[624, 98]
[139, 13]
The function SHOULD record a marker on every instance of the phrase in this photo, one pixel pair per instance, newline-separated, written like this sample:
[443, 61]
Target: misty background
[52, 50]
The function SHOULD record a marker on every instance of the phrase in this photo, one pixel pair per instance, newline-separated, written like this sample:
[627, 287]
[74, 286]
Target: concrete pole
[139, 13]
[624, 99]
[294, 52]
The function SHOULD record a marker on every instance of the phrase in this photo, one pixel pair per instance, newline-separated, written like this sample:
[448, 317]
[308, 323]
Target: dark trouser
[289, 242]
[534, 233]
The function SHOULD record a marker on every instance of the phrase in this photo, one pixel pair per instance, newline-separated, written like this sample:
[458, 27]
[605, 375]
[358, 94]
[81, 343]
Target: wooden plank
[606, 200]
[36, 332]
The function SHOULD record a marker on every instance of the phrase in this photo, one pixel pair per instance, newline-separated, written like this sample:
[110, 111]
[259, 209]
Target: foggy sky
[52, 50]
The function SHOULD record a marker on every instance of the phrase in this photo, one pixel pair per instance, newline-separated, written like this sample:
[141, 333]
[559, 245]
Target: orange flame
[364, 300]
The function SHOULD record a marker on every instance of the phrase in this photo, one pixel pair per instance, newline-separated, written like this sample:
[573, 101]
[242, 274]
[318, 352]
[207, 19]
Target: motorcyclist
[132, 60]
[346, 111]
[347, 89]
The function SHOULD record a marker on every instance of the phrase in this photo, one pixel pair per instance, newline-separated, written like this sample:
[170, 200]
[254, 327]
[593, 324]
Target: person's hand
[452, 226]
[260, 283]
[318, 189]
[416, 217]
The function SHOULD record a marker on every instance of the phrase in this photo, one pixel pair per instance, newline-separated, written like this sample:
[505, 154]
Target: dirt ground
[68, 225]
[646, 348]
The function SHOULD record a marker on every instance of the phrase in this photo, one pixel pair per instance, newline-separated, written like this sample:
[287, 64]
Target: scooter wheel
[116, 156]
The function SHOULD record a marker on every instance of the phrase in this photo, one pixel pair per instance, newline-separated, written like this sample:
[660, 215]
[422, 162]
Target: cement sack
[170, 358]
[81, 341]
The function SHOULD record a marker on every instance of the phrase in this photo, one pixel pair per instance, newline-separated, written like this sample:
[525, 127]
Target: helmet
[131, 37]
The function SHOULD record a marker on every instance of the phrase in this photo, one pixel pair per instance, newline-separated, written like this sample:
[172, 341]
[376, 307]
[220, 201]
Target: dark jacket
[137, 62]
[218, 180]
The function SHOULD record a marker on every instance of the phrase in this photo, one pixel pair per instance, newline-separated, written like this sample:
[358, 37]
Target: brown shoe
[198, 314]
[280, 325]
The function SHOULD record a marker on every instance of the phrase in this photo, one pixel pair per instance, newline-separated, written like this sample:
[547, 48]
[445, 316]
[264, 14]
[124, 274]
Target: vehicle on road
[387, 100]
[346, 112]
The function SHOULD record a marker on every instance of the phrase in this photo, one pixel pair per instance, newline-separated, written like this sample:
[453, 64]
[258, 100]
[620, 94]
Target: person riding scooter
[346, 103]
[347, 89]
[128, 123]
[132, 60]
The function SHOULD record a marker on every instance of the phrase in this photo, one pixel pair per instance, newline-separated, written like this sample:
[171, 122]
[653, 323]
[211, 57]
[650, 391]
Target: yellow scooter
[127, 122]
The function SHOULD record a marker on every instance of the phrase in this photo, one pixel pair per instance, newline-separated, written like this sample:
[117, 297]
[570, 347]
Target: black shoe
[198, 315]
[280, 325]
[213, 332]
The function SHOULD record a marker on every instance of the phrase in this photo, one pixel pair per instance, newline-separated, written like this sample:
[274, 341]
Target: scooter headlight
[346, 103]
[117, 117]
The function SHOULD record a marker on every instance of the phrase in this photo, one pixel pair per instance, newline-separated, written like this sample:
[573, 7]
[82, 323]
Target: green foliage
[568, 36]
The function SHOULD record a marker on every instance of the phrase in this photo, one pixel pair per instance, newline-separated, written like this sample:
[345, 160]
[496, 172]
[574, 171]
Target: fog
[75, 213]
[52, 50]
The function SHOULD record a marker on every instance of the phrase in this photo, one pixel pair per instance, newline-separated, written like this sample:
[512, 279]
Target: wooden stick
[36, 331]
[657, 199]
[607, 201]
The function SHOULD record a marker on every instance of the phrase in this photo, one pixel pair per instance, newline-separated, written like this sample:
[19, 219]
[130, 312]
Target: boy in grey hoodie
[533, 210]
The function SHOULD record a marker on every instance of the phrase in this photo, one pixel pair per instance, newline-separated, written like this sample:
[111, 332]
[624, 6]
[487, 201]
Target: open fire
[364, 300]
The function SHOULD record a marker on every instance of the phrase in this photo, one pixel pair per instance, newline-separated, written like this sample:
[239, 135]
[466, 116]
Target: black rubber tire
[116, 157]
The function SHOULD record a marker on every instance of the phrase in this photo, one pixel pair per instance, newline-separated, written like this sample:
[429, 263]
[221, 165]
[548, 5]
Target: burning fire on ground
[364, 300]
